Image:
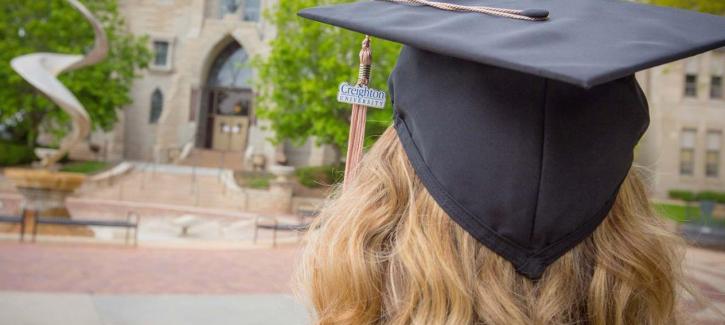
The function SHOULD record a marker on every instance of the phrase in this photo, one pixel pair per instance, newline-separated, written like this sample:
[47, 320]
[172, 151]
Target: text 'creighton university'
[361, 95]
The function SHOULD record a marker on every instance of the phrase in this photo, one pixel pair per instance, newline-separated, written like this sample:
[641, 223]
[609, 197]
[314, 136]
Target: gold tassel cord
[356, 138]
[526, 14]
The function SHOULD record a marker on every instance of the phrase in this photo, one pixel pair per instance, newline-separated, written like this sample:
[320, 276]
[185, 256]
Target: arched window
[157, 106]
[231, 68]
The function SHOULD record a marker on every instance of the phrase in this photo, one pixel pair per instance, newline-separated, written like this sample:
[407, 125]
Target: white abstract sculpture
[41, 71]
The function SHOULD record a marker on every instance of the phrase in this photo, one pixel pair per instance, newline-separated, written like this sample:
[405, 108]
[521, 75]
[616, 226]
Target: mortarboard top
[523, 131]
[584, 42]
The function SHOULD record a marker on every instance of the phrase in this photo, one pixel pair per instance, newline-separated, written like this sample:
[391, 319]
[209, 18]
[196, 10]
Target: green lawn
[679, 213]
[675, 212]
[85, 167]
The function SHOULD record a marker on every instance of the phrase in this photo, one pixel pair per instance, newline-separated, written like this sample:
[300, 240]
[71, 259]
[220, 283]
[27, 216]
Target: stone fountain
[44, 191]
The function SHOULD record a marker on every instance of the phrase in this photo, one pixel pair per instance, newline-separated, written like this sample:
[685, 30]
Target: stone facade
[688, 120]
[188, 36]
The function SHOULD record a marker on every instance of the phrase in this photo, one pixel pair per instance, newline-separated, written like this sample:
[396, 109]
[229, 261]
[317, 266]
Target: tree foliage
[709, 6]
[298, 80]
[54, 26]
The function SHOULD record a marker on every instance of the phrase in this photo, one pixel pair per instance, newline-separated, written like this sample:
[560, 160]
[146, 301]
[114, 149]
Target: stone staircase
[179, 186]
[208, 158]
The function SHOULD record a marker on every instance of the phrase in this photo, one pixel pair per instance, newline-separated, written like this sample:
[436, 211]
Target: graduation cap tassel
[525, 14]
[357, 119]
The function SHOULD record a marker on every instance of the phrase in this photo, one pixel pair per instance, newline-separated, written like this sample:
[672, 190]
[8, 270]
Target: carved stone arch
[248, 39]
[212, 52]
[226, 96]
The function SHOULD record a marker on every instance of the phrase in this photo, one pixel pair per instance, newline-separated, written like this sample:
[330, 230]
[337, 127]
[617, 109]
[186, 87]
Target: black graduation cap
[522, 126]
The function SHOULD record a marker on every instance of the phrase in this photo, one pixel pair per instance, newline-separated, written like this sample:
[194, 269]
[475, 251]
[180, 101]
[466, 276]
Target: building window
[712, 156]
[716, 88]
[691, 85]
[161, 54]
[691, 71]
[252, 10]
[687, 152]
[157, 106]
[717, 70]
[228, 7]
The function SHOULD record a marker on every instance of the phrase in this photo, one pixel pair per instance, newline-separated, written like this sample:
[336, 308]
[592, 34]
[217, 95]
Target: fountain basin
[45, 179]
[44, 194]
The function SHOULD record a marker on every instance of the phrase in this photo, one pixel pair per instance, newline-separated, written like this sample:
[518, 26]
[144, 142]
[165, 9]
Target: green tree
[710, 6]
[297, 82]
[54, 26]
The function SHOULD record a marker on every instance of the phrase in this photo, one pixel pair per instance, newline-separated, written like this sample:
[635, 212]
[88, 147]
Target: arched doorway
[226, 102]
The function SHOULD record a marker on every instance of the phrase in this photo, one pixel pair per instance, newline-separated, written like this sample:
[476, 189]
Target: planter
[706, 209]
[282, 173]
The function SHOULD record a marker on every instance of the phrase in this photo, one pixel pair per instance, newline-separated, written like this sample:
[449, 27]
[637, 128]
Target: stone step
[166, 187]
[215, 159]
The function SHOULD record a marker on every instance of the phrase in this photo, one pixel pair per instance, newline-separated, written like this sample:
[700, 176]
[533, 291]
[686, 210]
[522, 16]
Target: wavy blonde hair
[384, 252]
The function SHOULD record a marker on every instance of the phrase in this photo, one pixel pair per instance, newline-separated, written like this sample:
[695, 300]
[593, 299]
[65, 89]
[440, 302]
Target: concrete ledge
[703, 236]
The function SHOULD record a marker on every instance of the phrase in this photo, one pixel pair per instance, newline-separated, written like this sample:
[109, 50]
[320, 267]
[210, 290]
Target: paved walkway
[46, 267]
[705, 269]
[80, 284]
[109, 284]
[92, 309]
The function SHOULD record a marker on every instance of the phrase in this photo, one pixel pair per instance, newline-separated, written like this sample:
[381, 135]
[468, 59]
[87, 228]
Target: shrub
[85, 167]
[319, 176]
[718, 197]
[255, 180]
[258, 182]
[687, 196]
[15, 154]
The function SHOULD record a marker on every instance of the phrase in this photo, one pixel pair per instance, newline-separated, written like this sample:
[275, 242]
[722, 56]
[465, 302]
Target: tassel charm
[356, 138]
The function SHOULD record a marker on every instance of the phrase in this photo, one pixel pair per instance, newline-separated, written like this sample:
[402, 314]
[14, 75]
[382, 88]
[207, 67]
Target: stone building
[198, 87]
[198, 90]
[683, 148]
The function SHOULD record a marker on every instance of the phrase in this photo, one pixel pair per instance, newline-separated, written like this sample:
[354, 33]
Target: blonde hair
[384, 252]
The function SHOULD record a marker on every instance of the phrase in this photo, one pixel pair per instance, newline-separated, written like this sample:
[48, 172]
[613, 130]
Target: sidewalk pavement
[90, 309]
[79, 284]
[87, 284]
[113, 269]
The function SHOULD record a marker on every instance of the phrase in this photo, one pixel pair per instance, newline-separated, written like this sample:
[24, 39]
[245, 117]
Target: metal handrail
[274, 231]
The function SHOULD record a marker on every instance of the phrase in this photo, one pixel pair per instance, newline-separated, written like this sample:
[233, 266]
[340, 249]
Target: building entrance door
[226, 120]
[230, 133]
[226, 102]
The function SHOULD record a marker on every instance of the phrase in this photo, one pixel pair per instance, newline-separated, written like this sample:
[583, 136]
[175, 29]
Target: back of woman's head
[384, 252]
